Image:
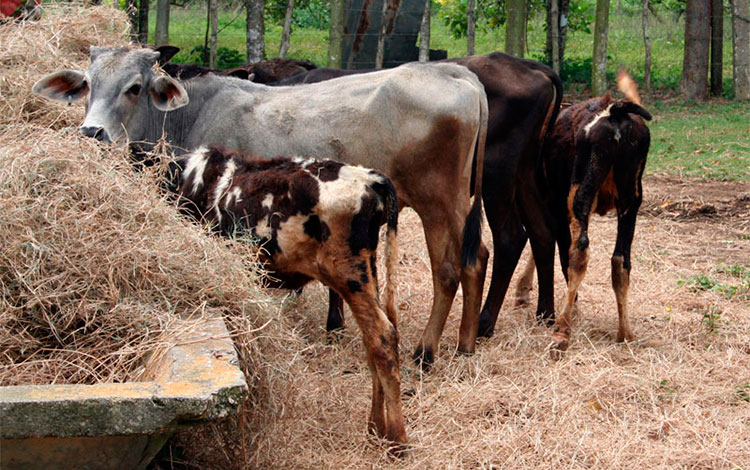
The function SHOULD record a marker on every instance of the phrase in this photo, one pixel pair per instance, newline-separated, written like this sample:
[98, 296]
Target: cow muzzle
[98, 133]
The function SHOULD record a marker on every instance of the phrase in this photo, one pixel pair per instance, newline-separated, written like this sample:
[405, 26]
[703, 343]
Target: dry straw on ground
[678, 397]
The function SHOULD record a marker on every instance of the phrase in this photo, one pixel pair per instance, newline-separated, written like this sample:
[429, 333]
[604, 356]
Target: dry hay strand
[60, 40]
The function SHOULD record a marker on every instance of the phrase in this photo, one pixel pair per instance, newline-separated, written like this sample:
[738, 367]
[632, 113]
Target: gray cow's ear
[65, 86]
[168, 94]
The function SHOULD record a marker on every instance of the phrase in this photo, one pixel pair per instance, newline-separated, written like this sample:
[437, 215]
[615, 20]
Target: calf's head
[119, 86]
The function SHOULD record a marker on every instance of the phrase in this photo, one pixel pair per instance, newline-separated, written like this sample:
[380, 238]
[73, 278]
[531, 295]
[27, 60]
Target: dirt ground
[677, 397]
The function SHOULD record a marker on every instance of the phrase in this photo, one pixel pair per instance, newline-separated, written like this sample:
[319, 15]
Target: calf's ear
[166, 53]
[65, 86]
[168, 94]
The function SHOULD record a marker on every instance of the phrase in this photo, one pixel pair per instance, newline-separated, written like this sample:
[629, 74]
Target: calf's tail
[387, 193]
[624, 107]
[632, 103]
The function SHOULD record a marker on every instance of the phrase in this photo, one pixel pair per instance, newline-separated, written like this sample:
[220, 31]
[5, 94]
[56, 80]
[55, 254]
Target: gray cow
[419, 124]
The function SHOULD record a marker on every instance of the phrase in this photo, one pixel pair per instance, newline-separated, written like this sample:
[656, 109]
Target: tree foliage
[492, 14]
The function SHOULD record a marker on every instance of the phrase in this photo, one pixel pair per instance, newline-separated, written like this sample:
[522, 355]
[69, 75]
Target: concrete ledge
[195, 382]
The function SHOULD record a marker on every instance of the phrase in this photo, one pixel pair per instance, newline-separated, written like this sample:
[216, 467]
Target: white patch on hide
[596, 119]
[235, 195]
[344, 194]
[222, 185]
[196, 163]
[267, 201]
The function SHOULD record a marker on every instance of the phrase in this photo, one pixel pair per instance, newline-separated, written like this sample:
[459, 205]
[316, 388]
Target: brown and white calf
[311, 219]
[593, 162]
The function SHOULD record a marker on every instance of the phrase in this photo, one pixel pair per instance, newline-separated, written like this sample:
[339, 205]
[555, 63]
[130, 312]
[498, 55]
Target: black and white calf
[311, 219]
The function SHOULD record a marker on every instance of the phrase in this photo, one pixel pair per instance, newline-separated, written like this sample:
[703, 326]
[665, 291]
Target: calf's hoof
[465, 351]
[522, 299]
[558, 346]
[399, 449]
[623, 336]
[424, 358]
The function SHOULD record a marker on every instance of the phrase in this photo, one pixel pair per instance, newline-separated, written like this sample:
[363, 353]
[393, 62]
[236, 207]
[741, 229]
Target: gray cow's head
[120, 86]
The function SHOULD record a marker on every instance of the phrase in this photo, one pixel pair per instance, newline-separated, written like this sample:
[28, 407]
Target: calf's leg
[579, 206]
[381, 345]
[525, 283]
[621, 265]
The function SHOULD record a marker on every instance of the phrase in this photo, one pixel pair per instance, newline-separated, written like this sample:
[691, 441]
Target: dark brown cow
[260, 72]
[593, 162]
[524, 98]
[311, 219]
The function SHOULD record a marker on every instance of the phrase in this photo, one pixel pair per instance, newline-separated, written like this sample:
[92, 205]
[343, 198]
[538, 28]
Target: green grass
[700, 140]
[738, 284]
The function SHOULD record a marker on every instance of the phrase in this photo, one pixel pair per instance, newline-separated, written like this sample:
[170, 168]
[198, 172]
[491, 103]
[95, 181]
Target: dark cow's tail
[472, 233]
[554, 106]
[387, 193]
[549, 123]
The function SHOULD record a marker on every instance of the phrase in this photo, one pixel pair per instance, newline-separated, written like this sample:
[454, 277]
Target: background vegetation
[705, 140]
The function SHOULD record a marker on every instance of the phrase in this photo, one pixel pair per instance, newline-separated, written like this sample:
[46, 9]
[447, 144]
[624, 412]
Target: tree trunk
[380, 50]
[335, 34]
[564, 10]
[647, 47]
[132, 8]
[470, 24]
[161, 37]
[599, 61]
[717, 45]
[554, 34]
[213, 15]
[694, 82]
[741, 49]
[256, 31]
[286, 33]
[143, 22]
[424, 33]
[560, 27]
[514, 27]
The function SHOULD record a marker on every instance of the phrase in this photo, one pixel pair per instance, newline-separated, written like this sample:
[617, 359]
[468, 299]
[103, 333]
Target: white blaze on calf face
[599, 116]
[196, 163]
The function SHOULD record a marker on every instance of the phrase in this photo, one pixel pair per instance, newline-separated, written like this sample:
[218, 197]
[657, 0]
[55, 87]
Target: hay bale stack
[96, 267]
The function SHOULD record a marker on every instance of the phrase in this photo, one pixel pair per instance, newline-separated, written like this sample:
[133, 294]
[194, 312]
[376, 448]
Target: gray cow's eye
[134, 90]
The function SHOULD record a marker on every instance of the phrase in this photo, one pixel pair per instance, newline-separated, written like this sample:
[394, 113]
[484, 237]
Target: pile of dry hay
[96, 268]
